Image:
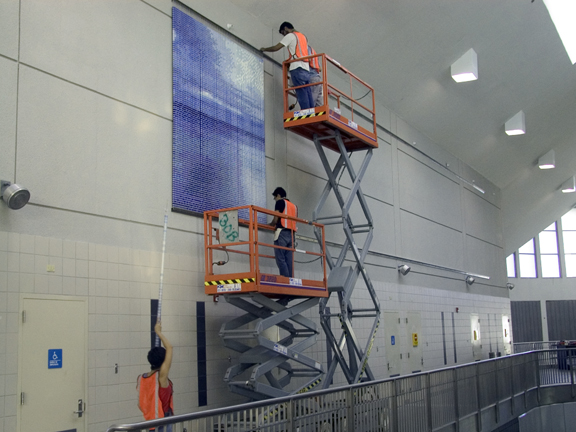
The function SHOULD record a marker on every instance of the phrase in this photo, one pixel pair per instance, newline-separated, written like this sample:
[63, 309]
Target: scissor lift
[346, 125]
[272, 333]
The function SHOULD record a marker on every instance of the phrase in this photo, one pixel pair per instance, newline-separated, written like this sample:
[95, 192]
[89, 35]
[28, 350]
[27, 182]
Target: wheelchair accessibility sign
[55, 359]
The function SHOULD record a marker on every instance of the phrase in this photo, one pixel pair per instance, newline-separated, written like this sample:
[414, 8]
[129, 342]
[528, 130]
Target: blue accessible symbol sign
[393, 340]
[55, 359]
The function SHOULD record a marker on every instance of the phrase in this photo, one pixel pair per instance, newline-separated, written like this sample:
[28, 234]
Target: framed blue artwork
[218, 150]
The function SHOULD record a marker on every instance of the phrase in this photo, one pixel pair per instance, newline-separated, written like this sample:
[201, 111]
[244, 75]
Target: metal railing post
[497, 406]
[512, 404]
[478, 395]
[429, 402]
[290, 416]
[395, 406]
[537, 362]
[570, 356]
[456, 401]
[350, 411]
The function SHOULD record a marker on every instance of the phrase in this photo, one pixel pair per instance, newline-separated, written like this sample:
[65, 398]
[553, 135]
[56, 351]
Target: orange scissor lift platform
[348, 107]
[252, 243]
[273, 334]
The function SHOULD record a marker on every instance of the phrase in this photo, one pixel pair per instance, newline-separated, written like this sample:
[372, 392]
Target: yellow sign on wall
[414, 339]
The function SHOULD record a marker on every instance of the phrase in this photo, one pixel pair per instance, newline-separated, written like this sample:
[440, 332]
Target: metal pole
[159, 313]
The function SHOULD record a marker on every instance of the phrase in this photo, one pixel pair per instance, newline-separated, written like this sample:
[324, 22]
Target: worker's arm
[274, 48]
[165, 368]
[274, 221]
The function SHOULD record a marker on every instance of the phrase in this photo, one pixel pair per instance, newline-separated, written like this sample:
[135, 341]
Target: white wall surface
[86, 125]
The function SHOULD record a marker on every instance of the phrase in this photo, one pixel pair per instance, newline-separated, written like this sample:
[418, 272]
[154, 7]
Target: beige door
[52, 364]
[393, 343]
[414, 360]
[506, 335]
[475, 337]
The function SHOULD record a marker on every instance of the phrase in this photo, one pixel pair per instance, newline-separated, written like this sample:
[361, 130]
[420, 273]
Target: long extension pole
[159, 313]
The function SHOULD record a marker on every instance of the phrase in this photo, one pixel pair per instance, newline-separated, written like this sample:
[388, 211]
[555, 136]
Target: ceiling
[404, 49]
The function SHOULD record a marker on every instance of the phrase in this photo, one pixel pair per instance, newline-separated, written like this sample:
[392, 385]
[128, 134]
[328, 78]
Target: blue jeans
[284, 257]
[316, 90]
[304, 95]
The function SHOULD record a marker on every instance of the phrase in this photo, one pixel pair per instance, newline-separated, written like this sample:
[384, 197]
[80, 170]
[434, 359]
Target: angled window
[511, 265]
[527, 260]
[569, 238]
[549, 259]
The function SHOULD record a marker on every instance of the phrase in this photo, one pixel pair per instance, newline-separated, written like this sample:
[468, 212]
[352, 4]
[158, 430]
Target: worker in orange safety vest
[284, 233]
[315, 77]
[155, 388]
[297, 45]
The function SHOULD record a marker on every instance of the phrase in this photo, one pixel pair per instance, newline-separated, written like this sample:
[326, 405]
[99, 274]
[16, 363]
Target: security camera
[510, 286]
[14, 195]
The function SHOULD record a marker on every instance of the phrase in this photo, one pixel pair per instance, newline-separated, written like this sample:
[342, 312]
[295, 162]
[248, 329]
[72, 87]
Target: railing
[477, 396]
[344, 94]
[242, 232]
[520, 347]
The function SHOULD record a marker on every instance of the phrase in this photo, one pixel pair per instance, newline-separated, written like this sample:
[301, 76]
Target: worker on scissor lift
[284, 234]
[297, 45]
[315, 69]
[315, 77]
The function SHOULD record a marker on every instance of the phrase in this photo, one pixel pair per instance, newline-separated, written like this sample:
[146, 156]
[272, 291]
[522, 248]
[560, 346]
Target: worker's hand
[291, 107]
[158, 327]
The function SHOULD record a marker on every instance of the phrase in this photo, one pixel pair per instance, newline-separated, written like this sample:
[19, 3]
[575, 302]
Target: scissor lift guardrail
[267, 366]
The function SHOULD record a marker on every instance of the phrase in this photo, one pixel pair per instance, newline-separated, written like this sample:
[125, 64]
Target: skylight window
[563, 14]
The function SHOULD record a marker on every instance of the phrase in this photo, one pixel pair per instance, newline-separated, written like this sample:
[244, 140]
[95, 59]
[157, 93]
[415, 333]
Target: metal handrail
[458, 396]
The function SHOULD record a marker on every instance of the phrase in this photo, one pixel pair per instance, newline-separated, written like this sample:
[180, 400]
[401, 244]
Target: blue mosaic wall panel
[218, 152]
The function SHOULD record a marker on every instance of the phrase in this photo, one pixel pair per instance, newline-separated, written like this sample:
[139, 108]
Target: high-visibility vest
[148, 398]
[301, 46]
[290, 210]
[314, 60]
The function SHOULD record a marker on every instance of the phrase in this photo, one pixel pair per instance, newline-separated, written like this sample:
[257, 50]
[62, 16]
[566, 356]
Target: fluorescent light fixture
[569, 185]
[516, 125]
[466, 67]
[548, 161]
[478, 188]
[563, 13]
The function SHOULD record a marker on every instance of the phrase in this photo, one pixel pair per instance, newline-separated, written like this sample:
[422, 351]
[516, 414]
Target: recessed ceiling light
[466, 67]
[569, 185]
[548, 161]
[516, 125]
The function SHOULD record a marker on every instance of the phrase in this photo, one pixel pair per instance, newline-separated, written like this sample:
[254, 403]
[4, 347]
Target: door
[506, 335]
[475, 337]
[393, 343]
[414, 361]
[52, 364]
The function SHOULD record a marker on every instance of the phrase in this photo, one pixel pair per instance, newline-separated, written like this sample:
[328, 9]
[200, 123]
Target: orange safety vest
[290, 210]
[301, 46]
[314, 60]
[148, 398]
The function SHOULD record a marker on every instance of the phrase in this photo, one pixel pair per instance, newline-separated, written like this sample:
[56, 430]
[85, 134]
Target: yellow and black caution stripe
[285, 405]
[229, 281]
[305, 116]
[310, 387]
